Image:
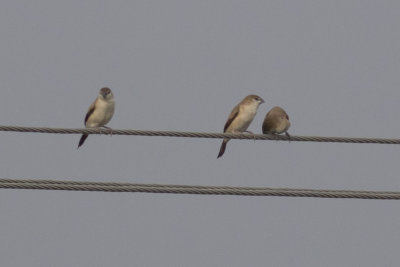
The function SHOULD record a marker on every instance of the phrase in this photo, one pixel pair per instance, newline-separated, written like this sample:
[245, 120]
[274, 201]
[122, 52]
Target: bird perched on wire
[276, 122]
[100, 112]
[240, 118]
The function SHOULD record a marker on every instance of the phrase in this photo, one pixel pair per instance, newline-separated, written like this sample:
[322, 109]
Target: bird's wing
[231, 117]
[90, 111]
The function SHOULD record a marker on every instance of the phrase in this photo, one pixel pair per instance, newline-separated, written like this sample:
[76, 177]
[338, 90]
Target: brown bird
[100, 112]
[240, 118]
[276, 122]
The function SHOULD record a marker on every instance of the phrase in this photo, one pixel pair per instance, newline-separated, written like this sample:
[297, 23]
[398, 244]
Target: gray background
[183, 65]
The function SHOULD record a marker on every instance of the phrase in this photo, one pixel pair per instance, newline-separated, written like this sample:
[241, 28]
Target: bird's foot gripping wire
[110, 131]
[288, 136]
[254, 136]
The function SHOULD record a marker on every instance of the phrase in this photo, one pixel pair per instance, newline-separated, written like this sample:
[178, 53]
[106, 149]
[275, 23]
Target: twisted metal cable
[193, 189]
[200, 135]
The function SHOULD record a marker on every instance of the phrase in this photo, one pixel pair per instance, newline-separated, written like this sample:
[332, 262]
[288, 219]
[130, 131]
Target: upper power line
[202, 135]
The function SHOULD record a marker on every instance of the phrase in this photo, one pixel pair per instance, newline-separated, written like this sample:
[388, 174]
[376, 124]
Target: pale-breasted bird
[276, 122]
[100, 112]
[240, 118]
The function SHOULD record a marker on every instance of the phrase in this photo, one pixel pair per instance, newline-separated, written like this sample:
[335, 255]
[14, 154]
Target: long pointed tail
[223, 147]
[82, 140]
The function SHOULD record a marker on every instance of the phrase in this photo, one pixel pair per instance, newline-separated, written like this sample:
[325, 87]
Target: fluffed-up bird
[240, 118]
[100, 112]
[276, 122]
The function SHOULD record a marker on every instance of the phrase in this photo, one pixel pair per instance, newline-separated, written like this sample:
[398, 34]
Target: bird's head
[106, 93]
[254, 100]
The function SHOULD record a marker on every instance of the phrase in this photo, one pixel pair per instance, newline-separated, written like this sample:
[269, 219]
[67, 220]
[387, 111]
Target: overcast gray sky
[183, 65]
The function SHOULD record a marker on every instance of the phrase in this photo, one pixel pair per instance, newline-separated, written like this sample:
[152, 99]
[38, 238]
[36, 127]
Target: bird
[276, 122]
[240, 118]
[100, 112]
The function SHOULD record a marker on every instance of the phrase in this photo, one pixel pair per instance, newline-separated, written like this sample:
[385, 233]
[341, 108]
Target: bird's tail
[82, 140]
[223, 147]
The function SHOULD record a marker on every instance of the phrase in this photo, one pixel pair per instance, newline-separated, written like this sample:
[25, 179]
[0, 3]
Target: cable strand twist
[193, 189]
[247, 136]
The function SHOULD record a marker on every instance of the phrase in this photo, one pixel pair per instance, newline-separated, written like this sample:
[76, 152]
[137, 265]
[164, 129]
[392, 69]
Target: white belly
[243, 120]
[102, 114]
